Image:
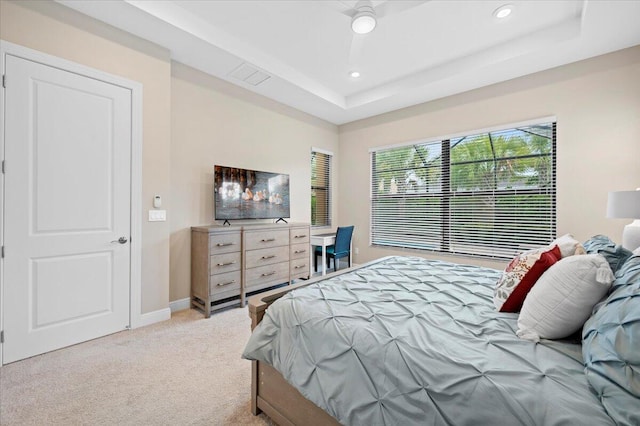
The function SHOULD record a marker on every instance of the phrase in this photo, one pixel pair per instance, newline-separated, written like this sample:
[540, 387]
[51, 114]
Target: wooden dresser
[228, 262]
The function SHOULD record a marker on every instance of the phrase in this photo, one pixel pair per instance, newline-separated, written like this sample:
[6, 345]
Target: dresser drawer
[276, 273]
[225, 282]
[267, 256]
[227, 262]
[300, 268]
[224, 243]
[265, 239]
[300, 251]
[299, 235]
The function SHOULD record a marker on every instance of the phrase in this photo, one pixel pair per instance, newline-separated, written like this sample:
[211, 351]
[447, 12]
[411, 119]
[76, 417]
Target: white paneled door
[66, 208]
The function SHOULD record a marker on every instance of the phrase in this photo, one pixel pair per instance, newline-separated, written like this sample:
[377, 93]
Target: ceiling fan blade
[355, 50]
[392, 7]
[345, 8]
[350, 13]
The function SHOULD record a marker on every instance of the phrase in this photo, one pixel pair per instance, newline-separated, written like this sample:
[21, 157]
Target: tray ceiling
[301, 53]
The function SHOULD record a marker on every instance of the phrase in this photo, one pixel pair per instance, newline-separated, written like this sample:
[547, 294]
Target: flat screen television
[250, 194]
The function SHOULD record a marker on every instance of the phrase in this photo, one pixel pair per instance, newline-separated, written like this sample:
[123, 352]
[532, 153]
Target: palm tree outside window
[488, 194]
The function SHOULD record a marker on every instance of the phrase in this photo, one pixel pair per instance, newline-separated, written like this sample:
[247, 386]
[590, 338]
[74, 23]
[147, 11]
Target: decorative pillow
[615, 254]
[562, 299]
[520, 275]
[610, 342]
[568, 245]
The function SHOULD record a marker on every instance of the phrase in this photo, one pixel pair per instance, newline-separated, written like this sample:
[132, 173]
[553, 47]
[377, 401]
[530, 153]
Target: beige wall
[60, 31]
[214, 122]
[597, 105]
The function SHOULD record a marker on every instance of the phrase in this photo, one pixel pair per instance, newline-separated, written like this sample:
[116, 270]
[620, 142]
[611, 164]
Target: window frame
[327, 187]
[446, 194]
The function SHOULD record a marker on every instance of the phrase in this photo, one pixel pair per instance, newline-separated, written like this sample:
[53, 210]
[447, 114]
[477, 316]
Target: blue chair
[341, 248]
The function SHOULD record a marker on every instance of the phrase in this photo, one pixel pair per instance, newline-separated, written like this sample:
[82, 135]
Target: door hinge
[2, 336]
[4, 81]
[2, 166]
[3, 252]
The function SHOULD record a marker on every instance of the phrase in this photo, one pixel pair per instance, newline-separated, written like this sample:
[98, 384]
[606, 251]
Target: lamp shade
[624, 204]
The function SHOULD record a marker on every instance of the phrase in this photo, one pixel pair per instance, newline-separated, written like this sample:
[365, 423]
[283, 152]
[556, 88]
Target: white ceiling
[420, 50]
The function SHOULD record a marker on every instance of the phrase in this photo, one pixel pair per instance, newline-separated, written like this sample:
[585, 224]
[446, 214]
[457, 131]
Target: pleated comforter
[407, 341]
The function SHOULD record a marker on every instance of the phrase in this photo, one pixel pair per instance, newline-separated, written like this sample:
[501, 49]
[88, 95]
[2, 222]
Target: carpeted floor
[185, 371]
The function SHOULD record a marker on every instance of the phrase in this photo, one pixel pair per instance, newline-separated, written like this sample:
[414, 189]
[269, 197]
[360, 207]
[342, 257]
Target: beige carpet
[185, 371]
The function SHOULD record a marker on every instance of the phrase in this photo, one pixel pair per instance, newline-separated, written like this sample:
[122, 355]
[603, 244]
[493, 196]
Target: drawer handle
[299, 236]
[226, 264]
[299, 251]
[268, 273]
[299, 266]
[267, 240]
[227, 283]
[224, 244]
[268, 257]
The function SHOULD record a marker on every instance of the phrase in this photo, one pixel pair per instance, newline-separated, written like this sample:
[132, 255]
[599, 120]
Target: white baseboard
[180, 305]
[154, 317]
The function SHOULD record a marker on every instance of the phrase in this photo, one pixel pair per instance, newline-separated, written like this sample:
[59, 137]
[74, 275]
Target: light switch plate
[157, 215]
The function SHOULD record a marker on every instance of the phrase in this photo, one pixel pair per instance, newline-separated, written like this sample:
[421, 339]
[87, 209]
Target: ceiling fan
[365, 15]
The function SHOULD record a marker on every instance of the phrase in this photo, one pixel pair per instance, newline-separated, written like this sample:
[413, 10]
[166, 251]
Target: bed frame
[270, 392]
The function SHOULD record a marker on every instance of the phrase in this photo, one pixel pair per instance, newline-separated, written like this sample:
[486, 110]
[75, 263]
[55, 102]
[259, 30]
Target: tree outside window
[489, 194]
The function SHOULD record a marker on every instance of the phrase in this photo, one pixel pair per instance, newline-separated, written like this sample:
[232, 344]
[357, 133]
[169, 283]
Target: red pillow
[520, 276]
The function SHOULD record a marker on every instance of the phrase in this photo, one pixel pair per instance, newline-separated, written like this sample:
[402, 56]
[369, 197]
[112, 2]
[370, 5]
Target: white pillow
[568, 245]
[637, 251]
[563, 297]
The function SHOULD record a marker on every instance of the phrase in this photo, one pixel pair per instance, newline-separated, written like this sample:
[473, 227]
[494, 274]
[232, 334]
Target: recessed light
[354, 74]
[503, 11]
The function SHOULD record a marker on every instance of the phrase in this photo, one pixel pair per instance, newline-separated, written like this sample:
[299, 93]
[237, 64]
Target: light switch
[157, 215]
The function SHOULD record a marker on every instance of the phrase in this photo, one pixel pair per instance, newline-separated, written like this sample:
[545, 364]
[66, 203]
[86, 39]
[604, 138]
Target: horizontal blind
[407, 196]
[489, 194]
[320, 189]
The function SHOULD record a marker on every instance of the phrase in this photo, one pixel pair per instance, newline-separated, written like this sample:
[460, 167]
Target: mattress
[406, 340]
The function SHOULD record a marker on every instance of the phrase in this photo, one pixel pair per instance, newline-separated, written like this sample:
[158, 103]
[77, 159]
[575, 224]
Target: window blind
[320, 189]
[489, 194]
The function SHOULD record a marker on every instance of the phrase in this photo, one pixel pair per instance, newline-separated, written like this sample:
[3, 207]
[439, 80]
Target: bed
[404, 340]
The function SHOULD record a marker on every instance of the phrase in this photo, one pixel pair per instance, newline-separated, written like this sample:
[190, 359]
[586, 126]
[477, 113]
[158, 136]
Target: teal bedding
[611, 346]
[406, 341]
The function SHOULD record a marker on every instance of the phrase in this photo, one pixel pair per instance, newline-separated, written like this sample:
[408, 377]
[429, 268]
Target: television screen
[250, 194]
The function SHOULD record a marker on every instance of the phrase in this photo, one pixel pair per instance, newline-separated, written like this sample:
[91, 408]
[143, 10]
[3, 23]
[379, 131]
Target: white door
[67, 203]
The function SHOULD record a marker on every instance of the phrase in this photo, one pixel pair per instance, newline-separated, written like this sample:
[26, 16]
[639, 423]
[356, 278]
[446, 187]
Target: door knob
[121, 240]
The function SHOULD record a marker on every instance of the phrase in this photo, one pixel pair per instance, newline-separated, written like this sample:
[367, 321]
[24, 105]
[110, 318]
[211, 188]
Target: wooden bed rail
[258, 304]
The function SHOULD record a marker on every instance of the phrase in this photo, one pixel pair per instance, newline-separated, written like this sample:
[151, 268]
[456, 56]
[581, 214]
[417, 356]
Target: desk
[325, 240]
[322, 240]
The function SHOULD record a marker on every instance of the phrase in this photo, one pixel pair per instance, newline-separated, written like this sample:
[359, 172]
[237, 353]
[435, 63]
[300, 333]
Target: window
[320, 188]
[489, 194]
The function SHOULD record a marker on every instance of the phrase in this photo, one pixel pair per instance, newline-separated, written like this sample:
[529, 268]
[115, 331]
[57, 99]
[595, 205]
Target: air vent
[249, 74]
